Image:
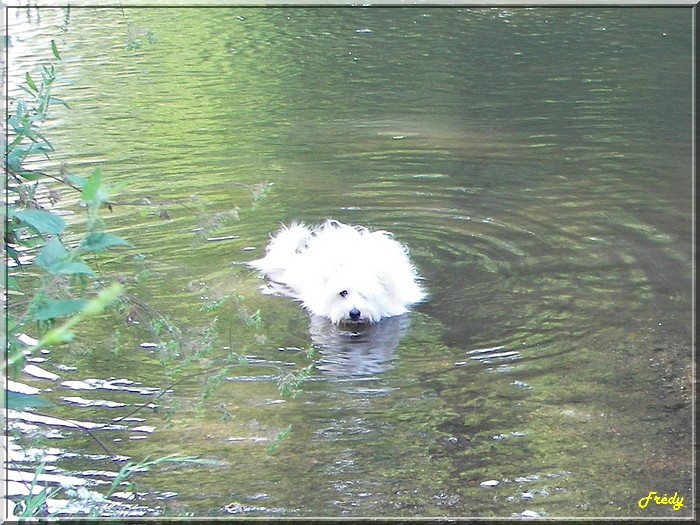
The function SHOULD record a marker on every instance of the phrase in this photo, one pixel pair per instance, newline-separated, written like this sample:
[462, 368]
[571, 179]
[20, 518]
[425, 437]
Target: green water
[538, 164]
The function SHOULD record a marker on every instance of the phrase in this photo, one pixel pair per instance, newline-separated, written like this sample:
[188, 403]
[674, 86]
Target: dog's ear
[386, 282]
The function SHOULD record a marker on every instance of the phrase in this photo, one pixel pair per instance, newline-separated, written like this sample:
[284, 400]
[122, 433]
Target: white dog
[348, 274]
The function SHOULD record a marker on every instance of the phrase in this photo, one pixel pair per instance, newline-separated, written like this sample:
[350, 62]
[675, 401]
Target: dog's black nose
[354, 314]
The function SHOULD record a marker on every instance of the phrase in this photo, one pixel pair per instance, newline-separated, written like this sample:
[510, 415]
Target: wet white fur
[336, 270]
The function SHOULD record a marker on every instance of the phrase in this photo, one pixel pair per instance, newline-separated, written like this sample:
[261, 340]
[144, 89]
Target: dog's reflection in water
[357, 349]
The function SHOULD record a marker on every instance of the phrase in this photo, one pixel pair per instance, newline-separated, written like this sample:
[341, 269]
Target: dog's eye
[343, 293]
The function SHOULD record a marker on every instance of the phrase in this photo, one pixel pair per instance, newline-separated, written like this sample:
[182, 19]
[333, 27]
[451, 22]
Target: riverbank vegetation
[60, 276]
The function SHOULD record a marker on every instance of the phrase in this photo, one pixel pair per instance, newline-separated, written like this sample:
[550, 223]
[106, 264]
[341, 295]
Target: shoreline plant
[53, 283]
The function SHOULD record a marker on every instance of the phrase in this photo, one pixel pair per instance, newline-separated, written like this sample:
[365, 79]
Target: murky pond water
[538, 164]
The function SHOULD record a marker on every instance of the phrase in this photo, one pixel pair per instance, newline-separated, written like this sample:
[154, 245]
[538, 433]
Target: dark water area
[538, 163]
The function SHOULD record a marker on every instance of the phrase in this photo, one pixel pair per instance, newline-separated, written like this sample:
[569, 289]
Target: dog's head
[351, 275]
[356, 296]
[353, 305]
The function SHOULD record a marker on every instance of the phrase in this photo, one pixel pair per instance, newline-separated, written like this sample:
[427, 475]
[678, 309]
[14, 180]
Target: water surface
[538, 164]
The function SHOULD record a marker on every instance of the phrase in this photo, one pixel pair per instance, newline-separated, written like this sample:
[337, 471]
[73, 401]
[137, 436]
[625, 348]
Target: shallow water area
[536, 161]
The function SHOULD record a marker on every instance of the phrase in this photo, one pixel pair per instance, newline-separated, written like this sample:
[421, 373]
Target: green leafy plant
[34, 504]
[290, 383]
[131, 468]
[274, 444]
[62, 283]
[59, 289]
[54, 283]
